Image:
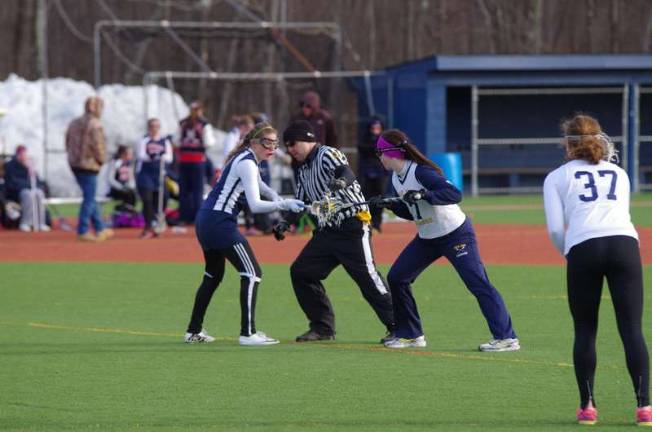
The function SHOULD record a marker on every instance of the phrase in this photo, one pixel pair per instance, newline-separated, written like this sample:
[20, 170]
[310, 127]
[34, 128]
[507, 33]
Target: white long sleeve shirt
[584, 201]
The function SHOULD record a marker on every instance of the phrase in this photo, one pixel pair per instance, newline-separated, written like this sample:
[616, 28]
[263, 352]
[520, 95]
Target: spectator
[319, 119]
[153, 152]
[371, 172]
[195, 136]
[121, 179]
[23, 186]
[85, 144]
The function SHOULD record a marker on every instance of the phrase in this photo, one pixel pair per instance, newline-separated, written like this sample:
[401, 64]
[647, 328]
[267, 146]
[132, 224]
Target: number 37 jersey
[589, 201]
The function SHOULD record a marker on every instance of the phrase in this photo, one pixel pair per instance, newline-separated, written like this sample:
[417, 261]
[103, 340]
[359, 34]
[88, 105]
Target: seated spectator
[121, 180]
[23, 186]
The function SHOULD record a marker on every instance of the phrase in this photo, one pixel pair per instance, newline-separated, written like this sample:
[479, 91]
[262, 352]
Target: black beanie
[299, 130]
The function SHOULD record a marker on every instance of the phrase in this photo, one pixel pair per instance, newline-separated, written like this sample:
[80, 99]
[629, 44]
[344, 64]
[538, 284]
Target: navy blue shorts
[217, 230]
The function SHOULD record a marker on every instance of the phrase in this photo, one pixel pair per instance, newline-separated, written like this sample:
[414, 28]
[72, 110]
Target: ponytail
[259, 130]
[400, 139]
[584, 140]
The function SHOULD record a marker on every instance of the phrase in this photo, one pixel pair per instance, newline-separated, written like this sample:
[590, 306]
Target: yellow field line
[350, 347]
[495, 357]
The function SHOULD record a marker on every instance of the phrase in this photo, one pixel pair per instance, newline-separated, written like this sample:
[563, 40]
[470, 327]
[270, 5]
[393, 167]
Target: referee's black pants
[618, 259]
[349, 245]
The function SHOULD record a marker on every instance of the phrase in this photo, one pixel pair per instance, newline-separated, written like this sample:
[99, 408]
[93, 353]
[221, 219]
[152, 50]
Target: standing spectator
[195, 136]
[85, 144]
[22, 186]
[153, 152]
[121, 179]
[319, 119]
[371, 172]
[345, 240]
[587, 213]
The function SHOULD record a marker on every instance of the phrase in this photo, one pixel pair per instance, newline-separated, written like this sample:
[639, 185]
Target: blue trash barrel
[451, 164]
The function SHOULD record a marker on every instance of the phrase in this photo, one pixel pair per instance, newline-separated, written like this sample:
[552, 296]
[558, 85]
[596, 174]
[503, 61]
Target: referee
[345, 239]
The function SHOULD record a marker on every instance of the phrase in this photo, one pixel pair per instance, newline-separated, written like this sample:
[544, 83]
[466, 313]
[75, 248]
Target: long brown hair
[259, 130]
[584, 139]
[399, 139]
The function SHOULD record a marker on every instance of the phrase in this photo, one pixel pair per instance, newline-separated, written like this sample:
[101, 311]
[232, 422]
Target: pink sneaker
[588, 415]
[644, 416]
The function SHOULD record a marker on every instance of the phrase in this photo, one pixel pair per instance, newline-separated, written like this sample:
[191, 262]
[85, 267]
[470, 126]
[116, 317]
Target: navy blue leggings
[461, 249]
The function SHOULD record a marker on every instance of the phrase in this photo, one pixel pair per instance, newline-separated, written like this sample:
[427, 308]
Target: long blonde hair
[258, 131]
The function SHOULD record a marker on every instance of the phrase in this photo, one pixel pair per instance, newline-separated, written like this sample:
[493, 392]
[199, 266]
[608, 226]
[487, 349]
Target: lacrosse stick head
[325, 209]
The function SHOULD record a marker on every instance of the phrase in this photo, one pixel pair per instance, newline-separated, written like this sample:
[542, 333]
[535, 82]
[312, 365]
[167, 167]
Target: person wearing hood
[320, 119]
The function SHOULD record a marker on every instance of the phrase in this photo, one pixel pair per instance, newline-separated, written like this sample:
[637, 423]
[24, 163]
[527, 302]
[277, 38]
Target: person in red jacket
[195, 136]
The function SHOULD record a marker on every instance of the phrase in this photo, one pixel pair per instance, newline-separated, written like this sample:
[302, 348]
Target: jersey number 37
[592, 193]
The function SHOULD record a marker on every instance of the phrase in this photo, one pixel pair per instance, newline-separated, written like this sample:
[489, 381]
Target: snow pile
[124, 120]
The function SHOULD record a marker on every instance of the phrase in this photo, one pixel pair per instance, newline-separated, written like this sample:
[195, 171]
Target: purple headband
[388, 149]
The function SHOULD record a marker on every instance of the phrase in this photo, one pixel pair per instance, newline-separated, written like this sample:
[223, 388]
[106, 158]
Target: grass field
[98, 347]
[506, 209]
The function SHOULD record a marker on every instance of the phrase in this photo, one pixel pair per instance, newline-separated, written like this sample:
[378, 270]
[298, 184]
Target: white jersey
[432, 220]
[585, 201]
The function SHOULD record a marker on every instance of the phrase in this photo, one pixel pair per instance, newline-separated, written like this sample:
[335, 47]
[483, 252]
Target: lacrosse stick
[160, 214]
[36, 211]
[326, 208]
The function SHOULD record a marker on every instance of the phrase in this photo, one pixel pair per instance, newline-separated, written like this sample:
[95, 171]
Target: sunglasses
[379, 152]
[268, 143]
[306, 105]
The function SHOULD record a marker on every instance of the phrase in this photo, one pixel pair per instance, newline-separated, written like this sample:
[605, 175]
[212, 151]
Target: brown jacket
[85, 144]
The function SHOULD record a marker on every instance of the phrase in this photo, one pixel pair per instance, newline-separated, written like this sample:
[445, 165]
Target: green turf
[490, 209]
[98, 347]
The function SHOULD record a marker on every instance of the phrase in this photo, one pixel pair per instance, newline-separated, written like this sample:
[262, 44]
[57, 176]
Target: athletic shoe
[201, 337]
[258, 338]
[388, 337]
[148, 234]
[588, 415]
[500, 345]
[418, 342]
[644, 416]
[86, 237]
[25, 228]
[105, 234]
[45, 228]
[313, 336]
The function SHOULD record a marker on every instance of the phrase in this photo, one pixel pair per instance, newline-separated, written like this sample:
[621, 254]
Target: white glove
[293, 205]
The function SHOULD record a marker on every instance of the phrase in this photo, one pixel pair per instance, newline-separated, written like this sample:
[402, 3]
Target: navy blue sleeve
[439, 191]
[400, 209]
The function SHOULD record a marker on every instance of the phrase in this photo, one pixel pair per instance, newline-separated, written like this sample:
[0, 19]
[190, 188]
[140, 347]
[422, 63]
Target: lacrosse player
[153, 152]
[344, 239]
[587, 214]
[442, 230]
[217, 231]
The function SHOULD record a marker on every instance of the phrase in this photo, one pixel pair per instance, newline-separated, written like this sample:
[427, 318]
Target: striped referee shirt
[314, 176]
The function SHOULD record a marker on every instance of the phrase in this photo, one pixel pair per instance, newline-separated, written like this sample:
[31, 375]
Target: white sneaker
[25, 228]
[44, 228]
[500, 345]
[258, 338]
[201, 337]
[419, 342]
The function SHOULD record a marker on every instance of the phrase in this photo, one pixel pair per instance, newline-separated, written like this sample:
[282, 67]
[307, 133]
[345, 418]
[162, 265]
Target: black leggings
[618, 259]
[150, 198]
[244, 260]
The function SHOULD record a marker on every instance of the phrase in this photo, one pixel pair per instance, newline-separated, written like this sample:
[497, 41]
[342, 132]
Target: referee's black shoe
[313, 336]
